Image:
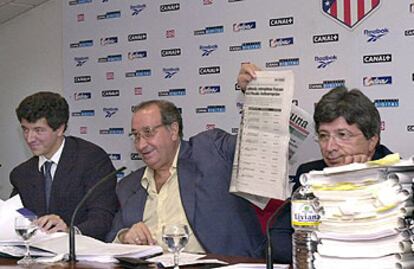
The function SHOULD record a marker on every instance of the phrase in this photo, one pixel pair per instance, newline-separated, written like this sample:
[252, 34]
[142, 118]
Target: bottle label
[304, 214]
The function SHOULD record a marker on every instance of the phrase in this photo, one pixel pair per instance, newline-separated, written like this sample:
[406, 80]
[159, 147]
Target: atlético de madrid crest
[349, 13]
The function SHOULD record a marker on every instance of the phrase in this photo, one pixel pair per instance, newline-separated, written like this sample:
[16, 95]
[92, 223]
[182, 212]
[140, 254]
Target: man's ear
[373, 141]
[61, 130]
[174, 128]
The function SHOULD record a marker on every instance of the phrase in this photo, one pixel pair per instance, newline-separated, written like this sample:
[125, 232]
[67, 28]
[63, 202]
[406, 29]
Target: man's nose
[140, 143]
[331, 144]
[30, 136]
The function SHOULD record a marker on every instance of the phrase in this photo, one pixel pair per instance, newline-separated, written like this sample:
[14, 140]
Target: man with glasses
[347, 125]
[184, 182]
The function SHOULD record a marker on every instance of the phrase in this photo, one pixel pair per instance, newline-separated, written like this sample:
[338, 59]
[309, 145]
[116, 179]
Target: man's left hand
[52, 223]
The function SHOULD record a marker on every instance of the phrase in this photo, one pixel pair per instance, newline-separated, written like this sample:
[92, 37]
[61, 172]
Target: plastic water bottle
[305, 220]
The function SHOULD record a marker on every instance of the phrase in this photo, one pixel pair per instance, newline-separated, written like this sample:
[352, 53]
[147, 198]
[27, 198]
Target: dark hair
[353, 106]
[48, 105]
[169, 113]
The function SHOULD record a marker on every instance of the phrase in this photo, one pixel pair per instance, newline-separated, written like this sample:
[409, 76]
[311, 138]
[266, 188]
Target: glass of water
[25, 228]
[175, 236]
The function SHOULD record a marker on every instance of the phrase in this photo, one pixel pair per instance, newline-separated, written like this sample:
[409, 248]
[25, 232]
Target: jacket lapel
[188, 176]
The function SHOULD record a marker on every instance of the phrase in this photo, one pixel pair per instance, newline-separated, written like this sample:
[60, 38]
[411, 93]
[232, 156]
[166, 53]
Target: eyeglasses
[339, 136]
[146, 133]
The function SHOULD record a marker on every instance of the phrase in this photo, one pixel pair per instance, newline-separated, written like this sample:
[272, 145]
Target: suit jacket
[222, 222]
[81, 165]
[281, 231]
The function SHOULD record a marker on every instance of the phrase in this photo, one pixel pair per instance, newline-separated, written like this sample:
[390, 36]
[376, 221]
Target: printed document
[262, 152]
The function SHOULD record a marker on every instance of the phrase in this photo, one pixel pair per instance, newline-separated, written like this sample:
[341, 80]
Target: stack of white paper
[366, 215]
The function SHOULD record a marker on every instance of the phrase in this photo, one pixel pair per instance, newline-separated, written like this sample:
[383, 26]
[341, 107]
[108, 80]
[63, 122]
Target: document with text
[260, 168]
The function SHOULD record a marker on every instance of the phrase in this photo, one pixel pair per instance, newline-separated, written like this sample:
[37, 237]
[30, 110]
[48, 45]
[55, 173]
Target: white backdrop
[119, 53]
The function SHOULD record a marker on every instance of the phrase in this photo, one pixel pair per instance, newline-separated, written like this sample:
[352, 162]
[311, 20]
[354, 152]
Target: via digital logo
[374, 35]
[80, 61]
[170, 72]
[324, 61]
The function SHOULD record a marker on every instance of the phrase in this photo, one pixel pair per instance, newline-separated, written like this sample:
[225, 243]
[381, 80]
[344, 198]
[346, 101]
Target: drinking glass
[25, 228]
[175, 236]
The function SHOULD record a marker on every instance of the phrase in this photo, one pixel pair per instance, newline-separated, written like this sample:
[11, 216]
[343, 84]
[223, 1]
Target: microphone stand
[269, 259]
[72, 253]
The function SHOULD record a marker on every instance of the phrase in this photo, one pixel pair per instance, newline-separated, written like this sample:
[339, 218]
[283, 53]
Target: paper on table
[8, 213]
[254, 266]
[167, 260]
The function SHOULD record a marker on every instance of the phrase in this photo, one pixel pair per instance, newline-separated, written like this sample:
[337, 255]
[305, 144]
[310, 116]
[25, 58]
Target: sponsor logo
[170, 7]
[411, 7]
[138, 73]
[170, 72]
[79, 2]
[281, 21]
[244, 26]
[114, 156]
[211, 109]
[409, 32]
[137, 37]
[382, 125]
[283, 62]
[132, 55]
[112, 131]
[170, 52]
[208, 49]
[349, 13]
[210, 30]
[82, 79]
[207, 2]
[324, 61]
[110, 111]
[110, 58]
[82, 44]
[371, 81]
[105, 41]
[110, 75]
[237, 87]
[209, 89]
[136, 9]
[172, 92]
[378, 58]
[410, 128]
[387, 103]
[135, 157]
[295, 102]
[374, 35]
[325, 38]
[170, 33]
[278, 42]
[234, 130]
[80, 61]
[327, 84]
[110, 93]
[246, 46]
[80, 17]
[209, 70]
[82, 95]
[138, 90]
[83, 130]
[109, 15]
[84, 113]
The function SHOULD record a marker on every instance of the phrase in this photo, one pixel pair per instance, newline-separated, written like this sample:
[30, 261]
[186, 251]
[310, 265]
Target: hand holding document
[270, 133]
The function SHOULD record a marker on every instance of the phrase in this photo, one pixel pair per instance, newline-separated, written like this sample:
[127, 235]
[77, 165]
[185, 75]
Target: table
[11, 263]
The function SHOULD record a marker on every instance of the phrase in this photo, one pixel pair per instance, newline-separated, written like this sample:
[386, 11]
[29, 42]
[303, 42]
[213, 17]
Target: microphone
[269, 259]
[72, 253]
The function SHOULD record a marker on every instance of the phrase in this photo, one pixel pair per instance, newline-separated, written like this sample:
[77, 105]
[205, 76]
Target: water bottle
[305, 220]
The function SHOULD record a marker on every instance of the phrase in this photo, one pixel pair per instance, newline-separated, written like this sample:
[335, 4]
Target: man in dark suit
[184, 182]
[347, 125]
[75, 165]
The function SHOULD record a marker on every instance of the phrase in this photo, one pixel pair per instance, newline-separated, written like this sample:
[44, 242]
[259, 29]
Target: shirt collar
[55, 158]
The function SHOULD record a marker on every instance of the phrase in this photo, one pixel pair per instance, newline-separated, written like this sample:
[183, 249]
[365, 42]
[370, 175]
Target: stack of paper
[366, 215]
